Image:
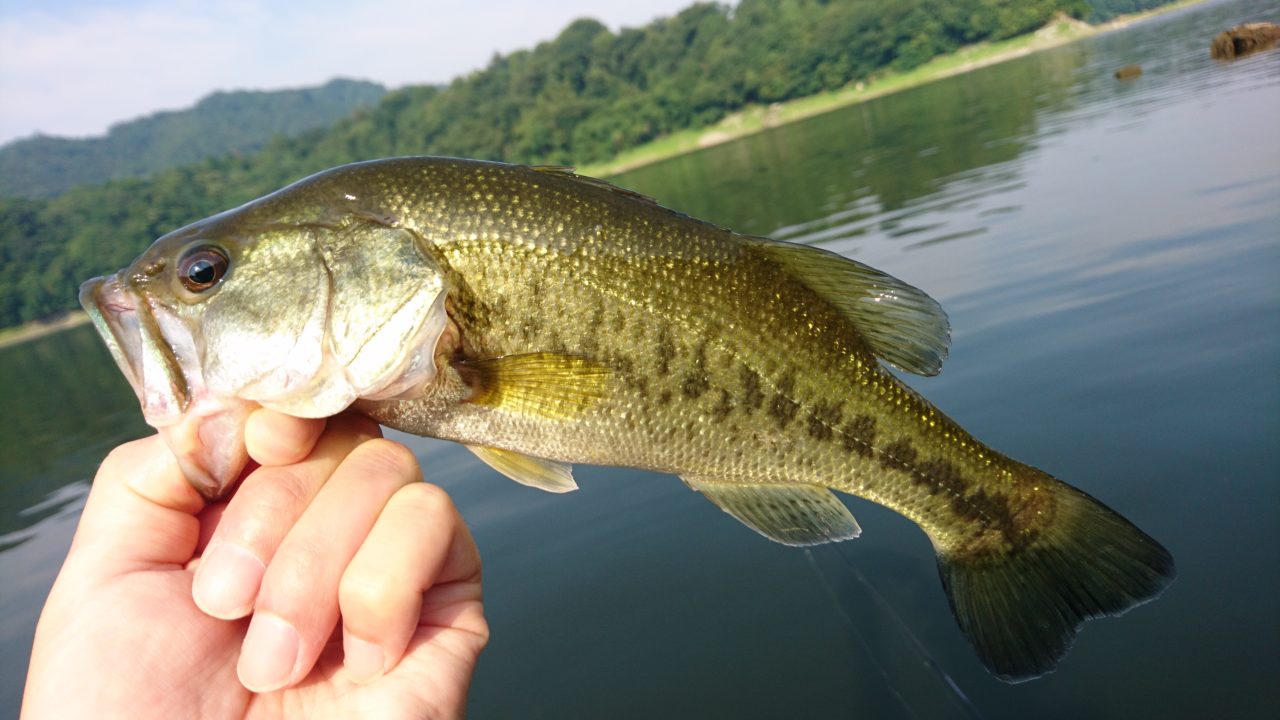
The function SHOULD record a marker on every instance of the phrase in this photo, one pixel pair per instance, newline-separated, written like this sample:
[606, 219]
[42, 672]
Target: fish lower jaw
[208, 443]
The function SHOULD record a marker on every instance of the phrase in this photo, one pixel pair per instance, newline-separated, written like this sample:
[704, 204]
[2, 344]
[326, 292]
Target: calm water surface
[1109, 254]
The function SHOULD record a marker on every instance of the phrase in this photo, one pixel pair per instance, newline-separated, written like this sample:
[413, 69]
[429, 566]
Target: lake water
[1109, 254]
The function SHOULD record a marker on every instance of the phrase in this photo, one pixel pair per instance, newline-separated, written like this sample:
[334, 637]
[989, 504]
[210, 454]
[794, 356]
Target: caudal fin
[1021, 608]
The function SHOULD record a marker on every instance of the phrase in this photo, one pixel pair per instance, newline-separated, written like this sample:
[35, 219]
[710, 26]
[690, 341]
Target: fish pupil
[202, 272]
[202, 269]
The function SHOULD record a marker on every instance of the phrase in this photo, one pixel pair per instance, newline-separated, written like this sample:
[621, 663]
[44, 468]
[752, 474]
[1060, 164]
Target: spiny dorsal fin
[549, 475]
[788, 514]
[546, 384]
[904, 326]
[566, 171]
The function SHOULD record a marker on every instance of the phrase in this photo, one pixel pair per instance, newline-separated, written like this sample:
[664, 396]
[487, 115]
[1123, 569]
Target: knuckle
[285, 490]
[427, 500]
[296, 570]
[263, 512]
[384, 457]
[481, 631]
[365, 594]
[123, 456]
[116, 456]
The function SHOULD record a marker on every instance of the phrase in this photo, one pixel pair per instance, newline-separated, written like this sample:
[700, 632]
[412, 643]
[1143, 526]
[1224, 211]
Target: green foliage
[223, 122]
[1103, 10]
[580, 98]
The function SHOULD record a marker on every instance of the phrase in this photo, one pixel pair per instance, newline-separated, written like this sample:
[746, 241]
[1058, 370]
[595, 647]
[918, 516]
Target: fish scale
[499, 267]
[542, 318]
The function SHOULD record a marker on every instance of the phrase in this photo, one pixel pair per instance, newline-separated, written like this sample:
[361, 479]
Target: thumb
[141, 512]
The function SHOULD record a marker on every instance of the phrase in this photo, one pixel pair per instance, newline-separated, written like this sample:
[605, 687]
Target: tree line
[224, 122]
[580, 98]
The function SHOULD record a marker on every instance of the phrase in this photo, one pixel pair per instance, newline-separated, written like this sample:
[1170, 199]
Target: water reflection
[63, 406]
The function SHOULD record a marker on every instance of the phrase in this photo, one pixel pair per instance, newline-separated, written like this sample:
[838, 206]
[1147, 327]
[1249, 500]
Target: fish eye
[202, 267]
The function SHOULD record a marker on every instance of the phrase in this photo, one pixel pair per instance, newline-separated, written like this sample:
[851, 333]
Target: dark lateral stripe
[989, 510]
[782, 408]
[752, 392]
[824, 418]
[859, 435]
[723, 407]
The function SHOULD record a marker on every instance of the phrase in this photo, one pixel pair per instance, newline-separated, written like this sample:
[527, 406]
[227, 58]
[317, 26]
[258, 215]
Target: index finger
[141, 510]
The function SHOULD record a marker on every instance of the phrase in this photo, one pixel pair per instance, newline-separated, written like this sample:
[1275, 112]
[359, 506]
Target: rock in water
[1244, 40]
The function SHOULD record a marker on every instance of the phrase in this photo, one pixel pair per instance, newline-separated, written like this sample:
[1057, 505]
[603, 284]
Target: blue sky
[73, 67]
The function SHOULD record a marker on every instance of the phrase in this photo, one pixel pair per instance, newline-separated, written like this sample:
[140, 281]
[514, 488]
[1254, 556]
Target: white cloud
[76, 70]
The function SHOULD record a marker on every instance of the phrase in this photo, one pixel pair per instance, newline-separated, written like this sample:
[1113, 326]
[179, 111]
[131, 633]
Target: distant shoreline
[40, 328]
[754, 119]
[757, 118]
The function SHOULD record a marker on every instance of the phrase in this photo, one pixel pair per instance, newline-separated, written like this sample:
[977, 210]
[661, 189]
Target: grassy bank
[757, 118]
[32, 330]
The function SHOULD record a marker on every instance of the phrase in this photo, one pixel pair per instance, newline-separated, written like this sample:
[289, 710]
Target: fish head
[301, 313]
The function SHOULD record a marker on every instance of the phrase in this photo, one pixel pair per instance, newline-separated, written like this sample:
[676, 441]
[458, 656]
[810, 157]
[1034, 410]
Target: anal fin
[784, 513]
[549, 475]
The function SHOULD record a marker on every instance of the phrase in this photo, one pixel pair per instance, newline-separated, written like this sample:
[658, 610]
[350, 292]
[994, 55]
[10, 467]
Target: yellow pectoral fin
[555, 386]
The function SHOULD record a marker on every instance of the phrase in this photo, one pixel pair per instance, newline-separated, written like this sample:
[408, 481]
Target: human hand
[333, 583]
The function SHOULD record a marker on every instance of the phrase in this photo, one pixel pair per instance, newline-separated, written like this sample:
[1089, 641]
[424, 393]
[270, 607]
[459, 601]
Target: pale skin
[332, 583]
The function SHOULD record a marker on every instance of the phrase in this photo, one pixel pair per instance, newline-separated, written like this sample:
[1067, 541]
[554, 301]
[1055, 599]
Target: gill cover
[312, 317]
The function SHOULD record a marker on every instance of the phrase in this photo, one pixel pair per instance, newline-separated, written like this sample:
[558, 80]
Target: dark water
[1109, 254]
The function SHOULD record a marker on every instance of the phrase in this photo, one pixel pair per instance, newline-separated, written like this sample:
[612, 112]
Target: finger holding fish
[273, 438]
[418, 572]
[267, 504]
[297, 606]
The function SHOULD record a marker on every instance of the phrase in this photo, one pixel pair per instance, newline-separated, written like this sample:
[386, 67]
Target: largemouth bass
[542, 318]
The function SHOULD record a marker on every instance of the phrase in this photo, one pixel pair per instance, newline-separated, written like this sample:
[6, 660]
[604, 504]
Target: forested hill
[221, 123]
[579, 98]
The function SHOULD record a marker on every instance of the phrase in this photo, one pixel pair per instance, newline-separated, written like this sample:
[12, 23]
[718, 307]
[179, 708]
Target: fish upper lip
[127, 323]
[106, 302]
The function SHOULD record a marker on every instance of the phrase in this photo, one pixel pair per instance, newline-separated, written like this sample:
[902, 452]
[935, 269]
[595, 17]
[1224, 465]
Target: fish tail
[1021, 606]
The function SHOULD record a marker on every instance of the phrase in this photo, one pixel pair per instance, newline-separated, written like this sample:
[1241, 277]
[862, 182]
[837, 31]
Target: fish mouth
[157, 355]
[128, 324]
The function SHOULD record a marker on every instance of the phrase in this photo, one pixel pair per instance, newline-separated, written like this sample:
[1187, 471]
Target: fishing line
[927, 659]
[920, 648]
[835, 598]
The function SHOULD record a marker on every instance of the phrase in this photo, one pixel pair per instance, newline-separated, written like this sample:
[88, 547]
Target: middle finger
[297, 608]
[265, 506]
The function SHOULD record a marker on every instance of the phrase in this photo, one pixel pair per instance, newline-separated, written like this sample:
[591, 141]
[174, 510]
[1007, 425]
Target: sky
[74, 67]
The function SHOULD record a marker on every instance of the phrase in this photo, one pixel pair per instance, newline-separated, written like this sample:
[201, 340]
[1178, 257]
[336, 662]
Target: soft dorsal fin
[566, 171]
[904, 326]
[549, 475]
[546, 384]
[784, 513]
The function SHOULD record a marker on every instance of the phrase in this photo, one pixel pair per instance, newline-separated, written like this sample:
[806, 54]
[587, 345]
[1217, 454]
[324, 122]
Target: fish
[542, 318]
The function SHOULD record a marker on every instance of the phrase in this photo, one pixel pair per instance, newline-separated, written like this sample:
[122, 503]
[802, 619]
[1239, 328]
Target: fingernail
[269, 653]
[227, 581]
[363, 659]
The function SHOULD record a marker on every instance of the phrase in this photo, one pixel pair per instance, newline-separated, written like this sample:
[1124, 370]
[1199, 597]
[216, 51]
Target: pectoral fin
[549, 475]
[546, 384]
[788, 514]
